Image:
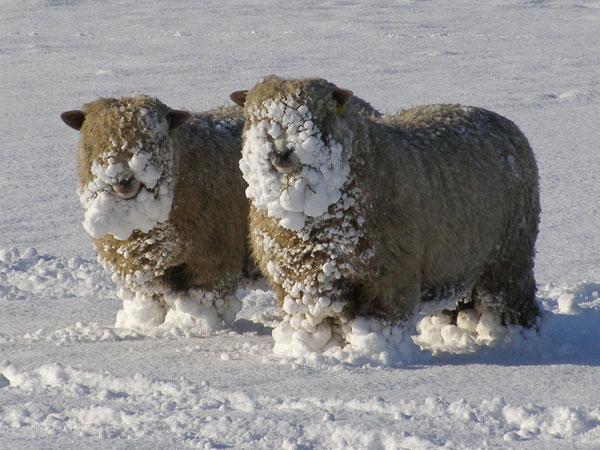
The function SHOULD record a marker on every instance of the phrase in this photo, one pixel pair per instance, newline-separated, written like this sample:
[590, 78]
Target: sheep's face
[126, 164]
[293, 164]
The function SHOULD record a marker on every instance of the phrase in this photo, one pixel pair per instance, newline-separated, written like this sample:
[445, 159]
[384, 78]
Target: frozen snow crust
[150, 162]
[198, 415]
[28, 274]
[194, 313]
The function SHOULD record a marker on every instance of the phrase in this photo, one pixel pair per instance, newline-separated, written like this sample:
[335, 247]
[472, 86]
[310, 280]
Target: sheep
[165, 205]
[354, 216]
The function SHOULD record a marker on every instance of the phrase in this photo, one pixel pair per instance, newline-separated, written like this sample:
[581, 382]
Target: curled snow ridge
[83, 333]
[307, 192]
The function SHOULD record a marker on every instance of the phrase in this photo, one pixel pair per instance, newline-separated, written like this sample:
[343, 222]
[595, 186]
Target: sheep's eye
[127, 188]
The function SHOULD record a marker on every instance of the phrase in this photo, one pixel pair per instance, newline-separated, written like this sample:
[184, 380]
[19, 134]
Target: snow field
[535, 62]
[197, 415]
[58, 400]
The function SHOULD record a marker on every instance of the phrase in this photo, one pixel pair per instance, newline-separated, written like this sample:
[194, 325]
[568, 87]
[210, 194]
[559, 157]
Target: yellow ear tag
[341, 109]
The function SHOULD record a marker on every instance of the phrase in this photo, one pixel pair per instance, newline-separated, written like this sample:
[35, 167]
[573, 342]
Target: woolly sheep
[357, 216]
[164, 203]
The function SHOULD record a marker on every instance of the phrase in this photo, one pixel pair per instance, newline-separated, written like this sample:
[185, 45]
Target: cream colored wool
[441, 201]
[203, 242]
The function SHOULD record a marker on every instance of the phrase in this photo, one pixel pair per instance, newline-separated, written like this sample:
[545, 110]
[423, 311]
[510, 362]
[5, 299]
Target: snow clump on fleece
[151, 164]
[372, 341]
[474, 327]
[195, 310]
[292, 198]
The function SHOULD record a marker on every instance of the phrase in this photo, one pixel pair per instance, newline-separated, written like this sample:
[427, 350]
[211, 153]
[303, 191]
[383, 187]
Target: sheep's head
[293, 158]
[125, 163]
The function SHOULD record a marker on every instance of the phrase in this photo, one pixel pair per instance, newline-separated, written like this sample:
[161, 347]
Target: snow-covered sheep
[164, 203]
[354, 216]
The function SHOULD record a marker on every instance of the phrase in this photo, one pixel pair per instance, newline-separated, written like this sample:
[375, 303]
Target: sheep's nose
[127, 188]
[284, 162]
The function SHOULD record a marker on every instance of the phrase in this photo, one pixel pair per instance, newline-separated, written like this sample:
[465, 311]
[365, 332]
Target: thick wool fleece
[437, 201]
[202, 242]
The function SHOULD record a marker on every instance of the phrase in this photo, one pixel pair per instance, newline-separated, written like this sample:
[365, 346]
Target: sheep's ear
[239, 97]
[341, 96]
[74, 118]
[177, 117]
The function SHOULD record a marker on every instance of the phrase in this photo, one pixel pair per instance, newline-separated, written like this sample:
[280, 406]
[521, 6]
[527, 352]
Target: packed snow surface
[70, 379]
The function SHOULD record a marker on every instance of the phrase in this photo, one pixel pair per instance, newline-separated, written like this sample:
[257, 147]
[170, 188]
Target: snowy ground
[72, 380]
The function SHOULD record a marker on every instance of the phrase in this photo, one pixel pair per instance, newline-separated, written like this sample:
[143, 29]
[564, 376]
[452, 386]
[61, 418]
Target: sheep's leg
[392, 297]
[177, 278]
[509, 287]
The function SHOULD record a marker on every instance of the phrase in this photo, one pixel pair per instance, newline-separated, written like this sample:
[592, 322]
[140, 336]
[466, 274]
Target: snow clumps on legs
[358, 221]
[164, 203]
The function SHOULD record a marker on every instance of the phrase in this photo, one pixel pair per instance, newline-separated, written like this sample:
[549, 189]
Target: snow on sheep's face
[128, 165]
[293, 171]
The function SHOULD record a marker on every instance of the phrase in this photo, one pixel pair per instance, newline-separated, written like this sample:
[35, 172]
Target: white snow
[193, 311]
[309, 190]
[201, 309]
[121, 394]
[140, 310]
[70, 379]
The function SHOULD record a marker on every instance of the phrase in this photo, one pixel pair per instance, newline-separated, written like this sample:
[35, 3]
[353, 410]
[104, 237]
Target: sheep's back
[450, 185]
